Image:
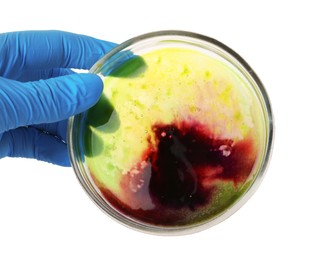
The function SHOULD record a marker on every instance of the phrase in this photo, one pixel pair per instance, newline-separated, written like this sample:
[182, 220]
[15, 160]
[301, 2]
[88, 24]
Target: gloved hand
[39, 92]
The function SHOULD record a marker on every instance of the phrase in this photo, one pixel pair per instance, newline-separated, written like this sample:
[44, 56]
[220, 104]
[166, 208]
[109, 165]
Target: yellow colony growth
[173, 86]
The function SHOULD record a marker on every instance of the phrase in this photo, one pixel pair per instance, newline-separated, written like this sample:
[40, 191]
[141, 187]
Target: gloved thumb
[46, 101]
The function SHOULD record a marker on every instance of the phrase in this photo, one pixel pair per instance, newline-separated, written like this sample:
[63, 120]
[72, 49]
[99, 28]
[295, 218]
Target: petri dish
[180, 138]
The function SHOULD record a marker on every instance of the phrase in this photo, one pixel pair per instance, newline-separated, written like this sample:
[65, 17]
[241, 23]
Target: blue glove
[39, 92]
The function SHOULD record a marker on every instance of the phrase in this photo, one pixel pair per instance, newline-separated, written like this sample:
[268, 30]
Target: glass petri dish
[180, 138]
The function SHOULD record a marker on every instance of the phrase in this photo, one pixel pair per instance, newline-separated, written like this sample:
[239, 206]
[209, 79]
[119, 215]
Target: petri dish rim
[74, 139]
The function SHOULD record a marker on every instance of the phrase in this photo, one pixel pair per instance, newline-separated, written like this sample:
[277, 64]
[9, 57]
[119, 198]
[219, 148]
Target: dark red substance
[179, 172]
[178, 166]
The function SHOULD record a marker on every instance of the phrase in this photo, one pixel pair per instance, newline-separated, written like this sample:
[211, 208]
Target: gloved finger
[32, 143]
[58, 129]
[33, 75]
[33, 50]
[46, 101]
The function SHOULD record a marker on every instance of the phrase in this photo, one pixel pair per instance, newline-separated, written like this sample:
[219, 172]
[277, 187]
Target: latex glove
[39, 92]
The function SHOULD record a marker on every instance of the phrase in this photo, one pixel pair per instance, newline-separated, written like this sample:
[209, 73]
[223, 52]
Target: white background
[44, 212]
